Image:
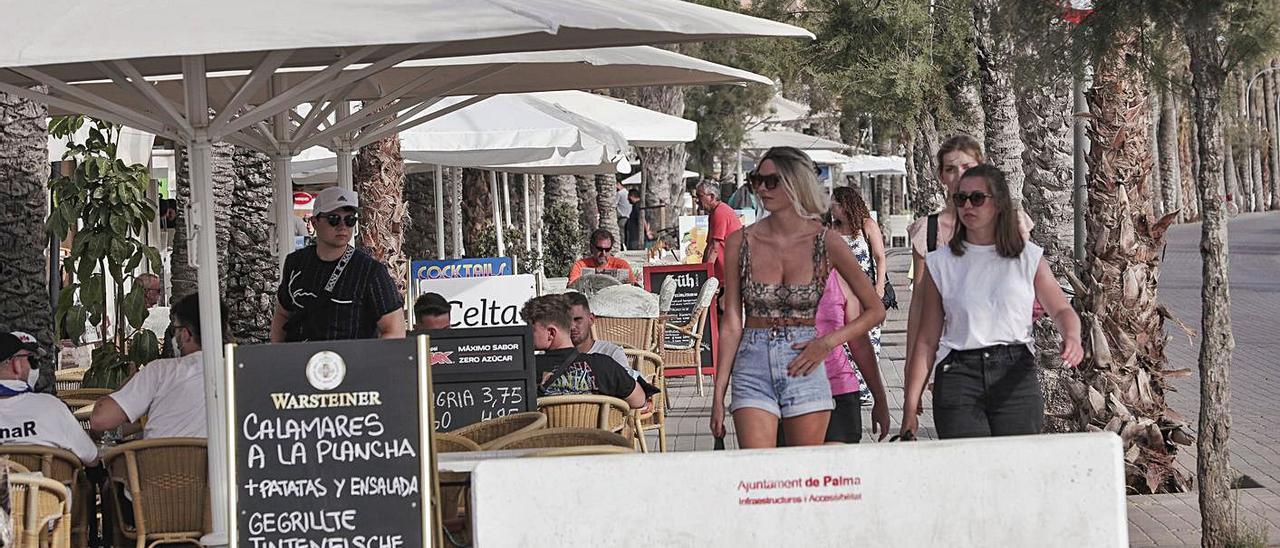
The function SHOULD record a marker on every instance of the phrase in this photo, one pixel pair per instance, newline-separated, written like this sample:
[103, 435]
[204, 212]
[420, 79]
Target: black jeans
[990, 391]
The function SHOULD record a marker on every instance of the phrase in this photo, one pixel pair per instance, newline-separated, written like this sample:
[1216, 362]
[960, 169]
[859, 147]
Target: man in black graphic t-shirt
[564, 370]
[331, 291]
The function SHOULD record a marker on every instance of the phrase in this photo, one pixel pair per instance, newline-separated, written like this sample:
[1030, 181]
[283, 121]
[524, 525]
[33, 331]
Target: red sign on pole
[302, 199]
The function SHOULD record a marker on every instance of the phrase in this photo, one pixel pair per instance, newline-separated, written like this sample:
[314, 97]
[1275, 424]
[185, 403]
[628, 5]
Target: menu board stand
[330, 442]
[689, 280]
[482, 374]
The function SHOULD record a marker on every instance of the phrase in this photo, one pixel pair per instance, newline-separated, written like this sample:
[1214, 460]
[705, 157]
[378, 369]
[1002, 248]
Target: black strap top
[783, 300]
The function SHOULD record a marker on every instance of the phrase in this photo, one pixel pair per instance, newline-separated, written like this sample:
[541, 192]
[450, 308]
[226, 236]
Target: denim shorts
[760, 378]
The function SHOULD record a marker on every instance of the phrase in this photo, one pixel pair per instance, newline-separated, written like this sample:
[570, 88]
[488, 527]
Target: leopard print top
[784, 300]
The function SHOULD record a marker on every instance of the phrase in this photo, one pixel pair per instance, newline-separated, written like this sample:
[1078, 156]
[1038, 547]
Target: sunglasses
[770, 181]
[603, 249]
[336, 219]
[975, 198]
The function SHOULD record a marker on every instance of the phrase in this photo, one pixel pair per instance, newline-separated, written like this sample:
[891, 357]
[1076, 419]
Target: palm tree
[1123, 323]
[607, 203]
[589, 205]
[223, 174]
[1213, 465]
[995, 63]
[251, 263]
[420, 231]
[379, 175]
[24, 171]
[477, 207]
[1045, 115]
[1170, 173]
[661, 167]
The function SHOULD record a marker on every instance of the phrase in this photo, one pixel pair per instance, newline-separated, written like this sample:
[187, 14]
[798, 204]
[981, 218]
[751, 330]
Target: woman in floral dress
[849, 216]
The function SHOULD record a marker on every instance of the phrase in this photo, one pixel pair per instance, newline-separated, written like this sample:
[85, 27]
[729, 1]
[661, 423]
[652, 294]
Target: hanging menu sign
[328, 444]
[481, 374]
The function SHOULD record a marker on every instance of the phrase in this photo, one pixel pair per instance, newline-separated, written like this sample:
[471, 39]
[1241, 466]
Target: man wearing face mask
[28, 418]
[170, 392]
[331, 290]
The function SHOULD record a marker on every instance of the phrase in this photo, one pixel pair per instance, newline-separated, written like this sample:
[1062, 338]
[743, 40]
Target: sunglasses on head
[335, 219]
[975, 198]
[770, 181]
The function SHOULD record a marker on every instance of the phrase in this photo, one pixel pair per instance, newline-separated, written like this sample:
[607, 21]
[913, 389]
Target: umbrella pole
[497, 213]
[200, 148]
[528, 236]
[282, 178]
[345, 178]
[506, 198]
[439, 212]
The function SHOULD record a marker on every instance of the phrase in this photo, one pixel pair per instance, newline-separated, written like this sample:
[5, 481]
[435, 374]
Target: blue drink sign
[462, 268]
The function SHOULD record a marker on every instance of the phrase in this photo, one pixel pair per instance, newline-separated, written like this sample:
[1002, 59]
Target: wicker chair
[63, 467]
[653, 417]
[13, 467]
[582, 450]
[40, 510]
[689, 354]
[93, 394]
[167, 479]
[69, 379]
[453, 484]
[639, 333]
[592, 411]
[551, 438]
[489, 432]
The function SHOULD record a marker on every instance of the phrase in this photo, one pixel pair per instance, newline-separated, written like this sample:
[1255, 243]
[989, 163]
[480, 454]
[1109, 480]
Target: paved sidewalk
[1160, 520]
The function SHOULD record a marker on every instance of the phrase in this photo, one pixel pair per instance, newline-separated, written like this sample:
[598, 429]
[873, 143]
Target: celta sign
[483, 302]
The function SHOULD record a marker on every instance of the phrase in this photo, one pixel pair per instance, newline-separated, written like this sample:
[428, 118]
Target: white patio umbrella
[875, 165]
[404, 91]
[150, 38]
[760, 141]
[641, 126]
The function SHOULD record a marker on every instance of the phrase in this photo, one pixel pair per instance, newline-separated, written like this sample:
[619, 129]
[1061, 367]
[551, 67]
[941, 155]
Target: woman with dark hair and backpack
[976, 299]
[956, 155]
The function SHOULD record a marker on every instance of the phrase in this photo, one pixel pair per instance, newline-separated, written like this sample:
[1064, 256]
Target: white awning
[875, 165]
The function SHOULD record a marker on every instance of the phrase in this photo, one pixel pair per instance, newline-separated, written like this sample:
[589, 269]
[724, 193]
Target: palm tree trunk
[929, 192]
[379, 175]
[995, 63]
[477, 207]
[420, 232]
[1170, 170]
[1157, 169]
[1213, 465]
[969, 117]
[661, 167]
[1122, 320]
[1187, 199]
[223, 174]
[1256, 157]
[24, 163]
[1273, 138]
[607, 203]
[251, 262]
[453, 210]
[1045, 114]
[588, 205]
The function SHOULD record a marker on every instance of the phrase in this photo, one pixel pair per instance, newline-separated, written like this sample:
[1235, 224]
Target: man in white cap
[332, 291]
[28, 418]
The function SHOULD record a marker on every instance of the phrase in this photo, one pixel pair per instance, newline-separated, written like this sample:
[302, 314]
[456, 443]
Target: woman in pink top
[836, 308]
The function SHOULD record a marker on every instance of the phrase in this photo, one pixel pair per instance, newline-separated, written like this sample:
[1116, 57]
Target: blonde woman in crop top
[777, 373]
[975, 330]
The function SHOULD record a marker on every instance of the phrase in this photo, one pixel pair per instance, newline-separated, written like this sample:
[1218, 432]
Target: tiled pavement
[1160, 520]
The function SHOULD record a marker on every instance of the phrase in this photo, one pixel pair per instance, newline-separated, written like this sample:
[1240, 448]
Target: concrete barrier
[1043, 491]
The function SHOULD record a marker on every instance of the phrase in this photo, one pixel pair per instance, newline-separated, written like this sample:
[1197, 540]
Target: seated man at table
[601, 260]
[562, 369]
[28, 418]
[584, 340]
[170, 392]
[431, 311]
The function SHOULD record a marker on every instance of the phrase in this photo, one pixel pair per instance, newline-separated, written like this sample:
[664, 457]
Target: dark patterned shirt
[364, 294]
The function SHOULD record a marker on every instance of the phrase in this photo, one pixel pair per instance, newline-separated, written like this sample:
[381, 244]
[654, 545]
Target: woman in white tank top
[977, 296]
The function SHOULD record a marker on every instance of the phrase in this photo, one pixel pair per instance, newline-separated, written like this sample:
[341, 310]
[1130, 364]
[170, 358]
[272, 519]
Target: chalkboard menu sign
[481, 374]
[689, 280]
[327, 444]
